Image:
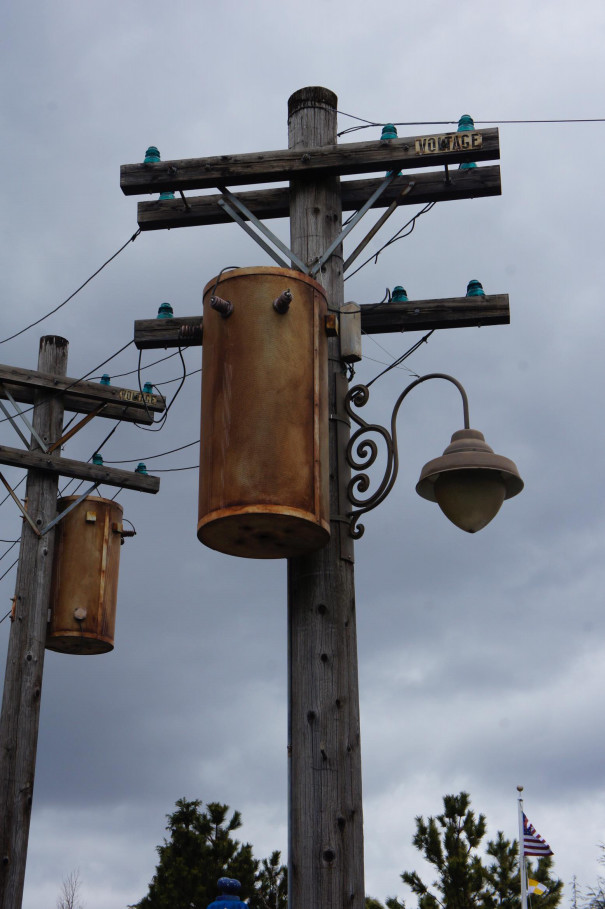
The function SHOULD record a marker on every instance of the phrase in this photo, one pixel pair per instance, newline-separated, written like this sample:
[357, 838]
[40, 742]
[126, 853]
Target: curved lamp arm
[362, 452]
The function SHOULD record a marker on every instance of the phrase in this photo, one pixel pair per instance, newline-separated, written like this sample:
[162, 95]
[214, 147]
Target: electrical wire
[170, 381]
[6, 551]
[367, 124]
[150, 457]
[403, 357]
[71, 296]
[173, 469]
[9, 568]
[162, 422]
[132, 372]
[397, 236]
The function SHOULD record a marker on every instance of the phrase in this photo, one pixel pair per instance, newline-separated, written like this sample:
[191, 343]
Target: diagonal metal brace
[24, 419]
[232, 198]
[69, 508]
[16, 499]
[353, 222]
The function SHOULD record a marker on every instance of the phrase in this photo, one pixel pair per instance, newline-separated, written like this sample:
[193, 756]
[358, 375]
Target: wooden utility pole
[50, 392]
[325, 806]
[326, 821]
[25, 659]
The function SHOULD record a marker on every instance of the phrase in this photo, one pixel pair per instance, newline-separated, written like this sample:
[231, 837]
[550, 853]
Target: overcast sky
[481, 657]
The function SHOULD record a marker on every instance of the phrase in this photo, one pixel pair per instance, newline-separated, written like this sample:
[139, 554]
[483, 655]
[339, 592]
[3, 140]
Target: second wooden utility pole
[25, 658]
[326, 824]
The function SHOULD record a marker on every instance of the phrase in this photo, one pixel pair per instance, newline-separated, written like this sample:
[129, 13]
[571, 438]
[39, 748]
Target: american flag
[533, 844]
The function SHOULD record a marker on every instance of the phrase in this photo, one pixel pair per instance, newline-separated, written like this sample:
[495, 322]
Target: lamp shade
[469, 482]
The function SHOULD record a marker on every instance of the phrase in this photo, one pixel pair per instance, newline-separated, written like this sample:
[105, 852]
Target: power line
[399, 235]
[150, 457]
[71, 296]
[367, 124]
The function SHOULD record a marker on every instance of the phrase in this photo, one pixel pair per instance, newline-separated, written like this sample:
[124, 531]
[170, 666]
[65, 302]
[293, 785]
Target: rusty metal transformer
[84, 588]
[264, 460]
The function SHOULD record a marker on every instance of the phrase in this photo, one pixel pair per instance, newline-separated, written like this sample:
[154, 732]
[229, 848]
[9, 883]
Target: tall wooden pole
[25, 659]
[325, 808]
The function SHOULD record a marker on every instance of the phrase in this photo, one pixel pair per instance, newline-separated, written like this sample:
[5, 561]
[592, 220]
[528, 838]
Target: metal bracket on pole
[231, 200]
[76, 428]
[372, 233]
[25, 420]
[16, 499]
[68, 509]
[353, 222]
[261, 227]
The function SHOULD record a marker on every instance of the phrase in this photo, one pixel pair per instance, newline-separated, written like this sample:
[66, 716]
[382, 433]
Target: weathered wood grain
[25, 659]
[303, 161]
[326, 828]
[376, 318]
[421, 315]
[65, 467]
[431, 186]
[181, 331]
[81, 396]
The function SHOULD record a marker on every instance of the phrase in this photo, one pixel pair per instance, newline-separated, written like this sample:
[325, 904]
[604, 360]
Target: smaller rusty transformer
[85, 577]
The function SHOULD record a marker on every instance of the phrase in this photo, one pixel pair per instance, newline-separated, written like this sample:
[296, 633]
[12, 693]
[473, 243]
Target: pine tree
[199, 851]
[450, 843]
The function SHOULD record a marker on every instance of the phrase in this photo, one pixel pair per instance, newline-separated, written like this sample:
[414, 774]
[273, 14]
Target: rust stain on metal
[85, 577]
[263, 456]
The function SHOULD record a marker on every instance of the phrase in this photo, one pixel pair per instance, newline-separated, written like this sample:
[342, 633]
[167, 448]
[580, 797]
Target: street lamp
[469, 482]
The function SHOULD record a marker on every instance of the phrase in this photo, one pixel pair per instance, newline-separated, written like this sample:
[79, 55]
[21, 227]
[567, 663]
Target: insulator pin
[282, 303]
[224, 307]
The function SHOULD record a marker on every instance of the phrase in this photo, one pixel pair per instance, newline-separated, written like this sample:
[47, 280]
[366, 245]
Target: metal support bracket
[69, 508]
[234, 201]
[383, 218]
[76, 428]
[353, 222]
[20, 505]
[24, 419]
[231, 202]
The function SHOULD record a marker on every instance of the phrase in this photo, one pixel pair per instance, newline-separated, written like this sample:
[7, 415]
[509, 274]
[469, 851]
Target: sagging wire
[398, 236]
[367, 124]
[6, 551]
[162, 422]
[403, 357]
[132, 372]
[193, 372]
[150, 457]
[9, 569]
[71, 296]
[96, 451]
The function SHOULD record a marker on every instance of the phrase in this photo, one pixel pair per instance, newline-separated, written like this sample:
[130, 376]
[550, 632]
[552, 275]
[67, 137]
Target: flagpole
[522, 865]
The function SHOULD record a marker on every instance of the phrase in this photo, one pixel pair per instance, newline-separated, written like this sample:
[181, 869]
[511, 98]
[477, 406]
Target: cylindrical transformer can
[84, 588]
[264, 429]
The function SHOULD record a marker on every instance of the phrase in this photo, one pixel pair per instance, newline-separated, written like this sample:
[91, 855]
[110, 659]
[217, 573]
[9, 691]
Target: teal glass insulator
[152, 155]
[97, 459]
[105, 379]
[148, 388]
[466, 124]
[399, 295]
[165, 311]
[389, 131]
[164, 197]
[141, 468]
[475, 289]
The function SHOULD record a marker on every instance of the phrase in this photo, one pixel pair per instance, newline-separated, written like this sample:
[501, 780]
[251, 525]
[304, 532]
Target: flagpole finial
[519, 788]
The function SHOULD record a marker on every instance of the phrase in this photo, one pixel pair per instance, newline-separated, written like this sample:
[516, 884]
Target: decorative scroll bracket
[362, 450]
